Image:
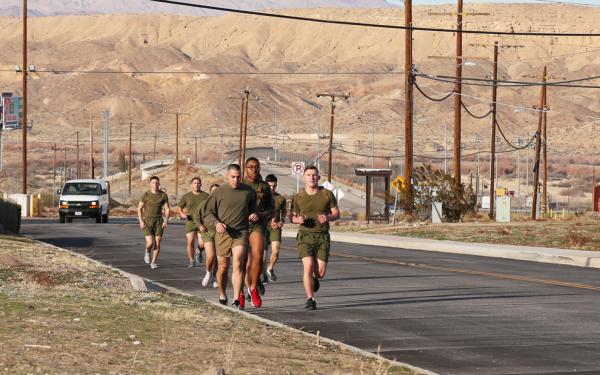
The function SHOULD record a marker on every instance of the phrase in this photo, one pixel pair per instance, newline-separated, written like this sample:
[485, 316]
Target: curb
[578, 258]
[141, 284]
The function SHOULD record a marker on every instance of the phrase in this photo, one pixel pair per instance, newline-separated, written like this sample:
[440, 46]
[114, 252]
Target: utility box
[503, 209]
[436, 213]
[22, 200]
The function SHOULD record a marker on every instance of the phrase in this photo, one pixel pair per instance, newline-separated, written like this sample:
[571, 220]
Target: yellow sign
[398, 183]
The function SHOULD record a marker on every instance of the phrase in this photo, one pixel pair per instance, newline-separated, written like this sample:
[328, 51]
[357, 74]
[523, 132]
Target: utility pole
[129, 159]
[78, 169]
[372, 146]
[445, 147]
[54, 177]
[245, 138]
[92, 147]
[457, 93]
[24, 123]
[545, 149]
[493, 157]
[240, 156]
[538, 145]
[64, 174]
[154, 150]
[518, 140]
[177, 114]
[196, 150]
[408, 105]
[334, 98]
[478, 142]
[106, 113]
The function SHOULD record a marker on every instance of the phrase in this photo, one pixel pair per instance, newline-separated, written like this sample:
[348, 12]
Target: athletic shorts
[208, 236]
[190, 227]
[259, 227]
[273, 235]
[313, 244]
[230, 239]
[153, 226]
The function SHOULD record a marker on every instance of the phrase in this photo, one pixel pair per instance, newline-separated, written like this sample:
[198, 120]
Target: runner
[229, 209]
[274, 234]
[188, 205]
[257, 230]
[313, 208]
[207, 236]
[153, 205]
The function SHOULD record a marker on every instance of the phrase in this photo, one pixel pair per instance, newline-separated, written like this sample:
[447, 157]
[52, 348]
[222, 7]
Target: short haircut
[311, 167]
[213, 186]
[155, 178]
[251, 158]
[196, 178]
[234, 167]
[271, 178]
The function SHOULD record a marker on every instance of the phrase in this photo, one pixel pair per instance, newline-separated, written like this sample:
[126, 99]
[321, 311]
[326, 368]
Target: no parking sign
[298, 167]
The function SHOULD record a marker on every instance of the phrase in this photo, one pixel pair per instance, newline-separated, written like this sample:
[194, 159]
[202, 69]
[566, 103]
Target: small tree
[435, 186]
[122, 163]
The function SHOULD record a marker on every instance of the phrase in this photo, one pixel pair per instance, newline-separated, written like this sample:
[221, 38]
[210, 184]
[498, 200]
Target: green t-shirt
[279, 202]
[230, 206]
[311, 206]
[197, 214]
[264, 198]
[153, 204]
[191, 201]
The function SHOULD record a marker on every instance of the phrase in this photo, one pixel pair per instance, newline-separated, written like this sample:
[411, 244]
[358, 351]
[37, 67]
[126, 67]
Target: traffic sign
[298, 167]
[398, 183]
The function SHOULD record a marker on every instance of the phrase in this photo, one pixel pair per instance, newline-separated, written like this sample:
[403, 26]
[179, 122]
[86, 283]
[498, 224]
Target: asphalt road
[451, 314]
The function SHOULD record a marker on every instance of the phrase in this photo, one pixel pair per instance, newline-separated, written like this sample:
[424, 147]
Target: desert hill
[146, 66]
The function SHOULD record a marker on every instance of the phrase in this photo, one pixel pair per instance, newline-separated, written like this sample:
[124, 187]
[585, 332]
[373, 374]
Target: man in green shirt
[207, 235]
[257, 230]
[274, 234]
[153, 205]
[229, 209]
[313, 208]
[189, 204]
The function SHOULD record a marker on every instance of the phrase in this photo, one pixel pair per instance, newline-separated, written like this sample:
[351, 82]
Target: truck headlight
[64, 204]
[94, 204]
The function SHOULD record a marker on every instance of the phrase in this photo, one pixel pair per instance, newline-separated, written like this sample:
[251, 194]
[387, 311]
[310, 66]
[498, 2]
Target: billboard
[12, 112]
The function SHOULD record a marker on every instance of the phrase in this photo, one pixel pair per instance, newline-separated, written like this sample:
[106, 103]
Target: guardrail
[10, 216]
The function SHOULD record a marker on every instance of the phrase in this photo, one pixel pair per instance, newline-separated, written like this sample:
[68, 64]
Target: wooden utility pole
[334, 98]
[154, 150]
[458, 92]
[54, 177]
[545, 149]
[538, 145]
[92, 147]
[493, 157]
[129, 166]
[408, 106]
[196, 150]
[78, 169]
[240, 156]
[24, 121]
[177, 114]
[247, 92]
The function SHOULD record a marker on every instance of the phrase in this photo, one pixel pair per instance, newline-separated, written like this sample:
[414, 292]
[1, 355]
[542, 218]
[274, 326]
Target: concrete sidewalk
[577, 258]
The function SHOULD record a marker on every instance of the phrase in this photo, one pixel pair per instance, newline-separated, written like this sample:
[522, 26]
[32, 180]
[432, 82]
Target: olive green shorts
[259, 227]
[208, 236]
[153, 226]
[273, 235]
[230, 239]
[190, 227]
[309, 244]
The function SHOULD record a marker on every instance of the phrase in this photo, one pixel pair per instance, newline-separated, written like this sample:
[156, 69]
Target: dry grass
[63, 314]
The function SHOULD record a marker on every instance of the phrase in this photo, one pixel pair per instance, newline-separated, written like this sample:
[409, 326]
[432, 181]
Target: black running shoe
[316, 285]
[236, 305]
[223, 301]
[310, 304]
[261, 288]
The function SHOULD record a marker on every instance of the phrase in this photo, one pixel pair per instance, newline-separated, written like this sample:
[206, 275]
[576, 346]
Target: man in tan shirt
[153, 215]
[229, 209]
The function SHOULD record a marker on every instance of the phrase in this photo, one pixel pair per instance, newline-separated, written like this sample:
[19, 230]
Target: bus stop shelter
[370, 174]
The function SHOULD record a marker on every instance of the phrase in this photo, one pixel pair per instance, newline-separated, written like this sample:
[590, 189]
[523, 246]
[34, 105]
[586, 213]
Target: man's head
[234, 175]
[272, 181]
[196, 184]
[252, 168]
[213, 187]
[311, 177]
[154, 183]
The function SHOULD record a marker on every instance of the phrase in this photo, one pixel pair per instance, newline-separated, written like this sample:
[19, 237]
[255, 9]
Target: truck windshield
[82, 188]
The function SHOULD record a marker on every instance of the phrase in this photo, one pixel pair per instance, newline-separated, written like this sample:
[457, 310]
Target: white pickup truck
[82, 199]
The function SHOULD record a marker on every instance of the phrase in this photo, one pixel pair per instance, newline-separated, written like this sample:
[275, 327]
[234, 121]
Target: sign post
[298, 169]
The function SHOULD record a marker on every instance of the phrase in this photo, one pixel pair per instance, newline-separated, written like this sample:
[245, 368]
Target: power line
[207, 72]
[486, 82]
[516, 148]
[364, 24]
[479, 117]
[429, 97]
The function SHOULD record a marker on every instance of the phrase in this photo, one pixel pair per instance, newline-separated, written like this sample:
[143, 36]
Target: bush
[10, 216]
[434, 185]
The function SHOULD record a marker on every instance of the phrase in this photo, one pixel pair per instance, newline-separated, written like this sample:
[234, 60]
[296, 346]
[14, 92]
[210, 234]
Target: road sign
[398, 183]
[298, 167]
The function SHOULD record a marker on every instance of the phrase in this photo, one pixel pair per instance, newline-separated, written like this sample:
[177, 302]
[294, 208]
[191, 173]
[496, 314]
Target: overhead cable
[473, 115]
[433, 99]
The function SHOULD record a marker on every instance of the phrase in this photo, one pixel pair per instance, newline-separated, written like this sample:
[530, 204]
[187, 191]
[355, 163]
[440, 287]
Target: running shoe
[271, 276]
[206, 279]
[147, 258]
[310, 304]
[241, 301]
[265, 278]
[153, 265]
[223, 301]
[215, 284]
[261, 287]
[197, 256]
[191, 264]
[248, 297]
[236, 305]
[316, 285]
[256, 300]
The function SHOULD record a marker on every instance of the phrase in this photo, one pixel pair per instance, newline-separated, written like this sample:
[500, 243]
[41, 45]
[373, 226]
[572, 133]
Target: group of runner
[233, 221]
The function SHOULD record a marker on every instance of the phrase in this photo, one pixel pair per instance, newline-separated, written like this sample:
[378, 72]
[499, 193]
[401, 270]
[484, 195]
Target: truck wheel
[69, 220]
[105, 218]
[98, 219]
[61, 219]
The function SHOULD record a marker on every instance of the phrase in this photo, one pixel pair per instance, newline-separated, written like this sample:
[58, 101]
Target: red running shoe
[256, 300]
[242, 301]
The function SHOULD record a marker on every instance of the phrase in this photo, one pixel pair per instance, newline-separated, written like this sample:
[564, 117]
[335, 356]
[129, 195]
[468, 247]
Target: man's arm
[167, 213]
[181, 211]
[140, 213]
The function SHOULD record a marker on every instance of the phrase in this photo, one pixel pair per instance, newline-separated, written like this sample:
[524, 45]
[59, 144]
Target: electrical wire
[207, 72]
[429, 97]
[472, 115]
[364, 24]
[486, 82]
[509, 143]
